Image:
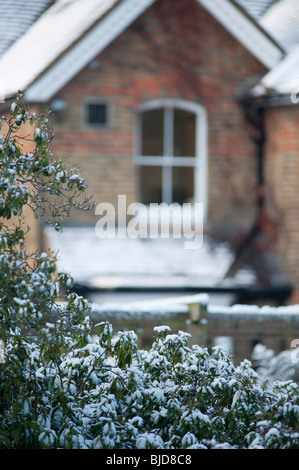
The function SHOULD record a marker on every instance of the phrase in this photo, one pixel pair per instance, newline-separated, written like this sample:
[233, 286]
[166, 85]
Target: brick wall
[282, 177]
[175, 50]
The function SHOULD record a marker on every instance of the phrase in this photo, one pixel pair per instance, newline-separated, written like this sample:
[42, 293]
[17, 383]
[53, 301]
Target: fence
[243, 326]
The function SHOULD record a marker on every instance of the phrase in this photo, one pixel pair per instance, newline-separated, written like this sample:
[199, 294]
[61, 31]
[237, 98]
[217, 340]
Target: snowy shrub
[61, 389]
[273, 367]
[109, 395]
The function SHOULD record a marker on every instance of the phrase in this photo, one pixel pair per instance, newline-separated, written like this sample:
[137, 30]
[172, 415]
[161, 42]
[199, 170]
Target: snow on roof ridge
[55, 34]
[282, 20]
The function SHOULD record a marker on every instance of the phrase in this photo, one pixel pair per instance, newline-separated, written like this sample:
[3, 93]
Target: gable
[177, 47]
[59, 49]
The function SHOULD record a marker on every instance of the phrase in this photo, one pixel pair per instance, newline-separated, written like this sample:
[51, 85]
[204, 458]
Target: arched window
[171, 152]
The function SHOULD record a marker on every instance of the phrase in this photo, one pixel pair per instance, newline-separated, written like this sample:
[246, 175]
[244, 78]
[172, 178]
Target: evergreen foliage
[61, 389]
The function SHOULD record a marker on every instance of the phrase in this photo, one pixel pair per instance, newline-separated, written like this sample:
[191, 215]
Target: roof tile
[16, 16]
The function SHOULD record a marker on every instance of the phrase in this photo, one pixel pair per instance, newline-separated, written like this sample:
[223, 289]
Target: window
[97, 114]
[171, 152]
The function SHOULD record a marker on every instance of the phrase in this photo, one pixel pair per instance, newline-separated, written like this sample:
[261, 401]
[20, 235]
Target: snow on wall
[242, 313]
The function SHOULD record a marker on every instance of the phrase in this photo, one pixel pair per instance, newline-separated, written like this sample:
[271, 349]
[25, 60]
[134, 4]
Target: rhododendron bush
[61, 388]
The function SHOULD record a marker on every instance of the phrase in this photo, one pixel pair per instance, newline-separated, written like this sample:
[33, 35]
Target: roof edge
[90, 45]
[246, 30]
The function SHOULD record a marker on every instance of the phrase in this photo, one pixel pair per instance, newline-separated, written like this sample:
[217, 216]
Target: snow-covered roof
[127, 262]
[282, 21]
[162, 263]
[16, 16]
[49, 37]
[282, 79]
[71, 32]
[256, 8]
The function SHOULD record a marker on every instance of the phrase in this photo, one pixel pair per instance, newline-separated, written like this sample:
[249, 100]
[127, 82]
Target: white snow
[16, 16]
[289, 313]
[47, 39]
[111, 263]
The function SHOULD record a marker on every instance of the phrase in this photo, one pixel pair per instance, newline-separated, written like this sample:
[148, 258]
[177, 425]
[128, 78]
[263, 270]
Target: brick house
[168, 101]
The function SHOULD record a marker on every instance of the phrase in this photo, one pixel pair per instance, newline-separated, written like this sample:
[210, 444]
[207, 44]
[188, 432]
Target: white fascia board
[86, 49]
[245, 31]
[284, 78]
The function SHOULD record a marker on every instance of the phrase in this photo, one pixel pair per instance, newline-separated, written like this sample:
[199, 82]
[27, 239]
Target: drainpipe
[255, 117]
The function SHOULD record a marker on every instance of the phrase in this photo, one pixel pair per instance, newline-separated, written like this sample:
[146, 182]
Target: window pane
[183, 184]
[150, 184]
[152, 123]
[184, 133]
[97, 114]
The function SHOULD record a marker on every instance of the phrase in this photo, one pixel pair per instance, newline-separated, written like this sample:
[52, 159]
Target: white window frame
[198, 162]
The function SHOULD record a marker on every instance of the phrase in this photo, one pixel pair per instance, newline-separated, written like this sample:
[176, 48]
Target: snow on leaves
[93, 396]
[34, 178]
